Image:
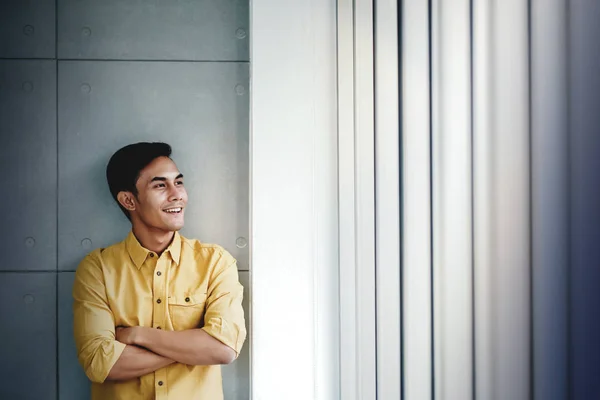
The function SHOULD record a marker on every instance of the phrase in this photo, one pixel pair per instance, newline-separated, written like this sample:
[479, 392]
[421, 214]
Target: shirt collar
[138, 253]
[175, 248]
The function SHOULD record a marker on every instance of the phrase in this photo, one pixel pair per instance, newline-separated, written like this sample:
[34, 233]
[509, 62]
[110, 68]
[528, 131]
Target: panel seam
[531, 243]
[472, 128]
[400, 5]
[57, 289]
[431, 205]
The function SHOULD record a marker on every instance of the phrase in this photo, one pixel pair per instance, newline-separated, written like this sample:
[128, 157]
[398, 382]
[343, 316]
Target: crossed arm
[151, 349]
[117, 354]
[134, 362]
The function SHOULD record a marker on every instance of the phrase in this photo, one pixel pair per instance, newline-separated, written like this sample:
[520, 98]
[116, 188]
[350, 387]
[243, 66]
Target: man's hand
[135, 361]
[127, 335]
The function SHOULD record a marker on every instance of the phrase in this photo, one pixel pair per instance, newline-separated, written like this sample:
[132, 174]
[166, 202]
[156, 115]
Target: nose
[176, 193]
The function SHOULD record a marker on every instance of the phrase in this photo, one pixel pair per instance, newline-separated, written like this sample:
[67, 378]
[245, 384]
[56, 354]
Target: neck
[153, 240]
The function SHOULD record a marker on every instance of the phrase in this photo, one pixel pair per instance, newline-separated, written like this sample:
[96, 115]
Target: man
[156, 314]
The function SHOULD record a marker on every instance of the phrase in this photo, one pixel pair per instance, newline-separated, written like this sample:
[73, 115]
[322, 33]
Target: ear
[127, 200]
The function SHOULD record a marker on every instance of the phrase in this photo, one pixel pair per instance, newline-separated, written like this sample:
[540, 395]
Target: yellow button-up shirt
[190, 285]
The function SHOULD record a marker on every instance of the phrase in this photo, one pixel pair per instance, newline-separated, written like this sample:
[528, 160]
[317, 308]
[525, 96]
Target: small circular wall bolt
[86, 31]
[86, 243]
[241, 242]
[28, 86]
[240, 33]
[85, 88]
[28, 299]
[28, 30]
[240, 90]
[29, 242]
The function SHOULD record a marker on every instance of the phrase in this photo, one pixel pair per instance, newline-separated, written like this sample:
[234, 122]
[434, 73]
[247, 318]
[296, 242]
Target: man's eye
[179, 183]
[160, 185]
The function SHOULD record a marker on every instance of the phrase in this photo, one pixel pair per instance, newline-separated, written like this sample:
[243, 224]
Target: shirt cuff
[226, 332]
[102, 364]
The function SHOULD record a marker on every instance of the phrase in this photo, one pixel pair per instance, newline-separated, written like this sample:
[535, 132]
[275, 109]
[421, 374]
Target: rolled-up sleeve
[93, 322]
[224, 315]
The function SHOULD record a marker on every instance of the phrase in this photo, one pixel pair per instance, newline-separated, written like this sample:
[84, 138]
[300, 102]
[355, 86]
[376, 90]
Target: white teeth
[173, 210]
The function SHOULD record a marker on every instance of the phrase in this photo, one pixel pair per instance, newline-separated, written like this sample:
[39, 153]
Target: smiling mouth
[176, 210]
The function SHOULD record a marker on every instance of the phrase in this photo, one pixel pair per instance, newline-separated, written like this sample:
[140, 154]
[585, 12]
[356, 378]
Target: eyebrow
[163, 179]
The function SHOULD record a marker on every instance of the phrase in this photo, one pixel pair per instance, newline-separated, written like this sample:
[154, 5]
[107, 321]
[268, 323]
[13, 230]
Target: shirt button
[160, 383]
[187, 299]
[159, 301]
[159, 273]
[151, 254]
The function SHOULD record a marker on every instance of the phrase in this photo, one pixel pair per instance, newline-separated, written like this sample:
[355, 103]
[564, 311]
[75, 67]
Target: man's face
[162, 197]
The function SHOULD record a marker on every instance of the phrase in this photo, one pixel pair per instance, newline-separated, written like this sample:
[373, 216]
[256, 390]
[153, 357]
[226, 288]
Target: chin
[171, 224]
[175, 227]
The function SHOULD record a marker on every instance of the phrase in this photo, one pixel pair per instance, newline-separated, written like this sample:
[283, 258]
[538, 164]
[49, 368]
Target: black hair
[123, 169]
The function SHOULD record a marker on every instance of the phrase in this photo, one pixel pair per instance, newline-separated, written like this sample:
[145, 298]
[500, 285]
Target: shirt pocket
[187, 311]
